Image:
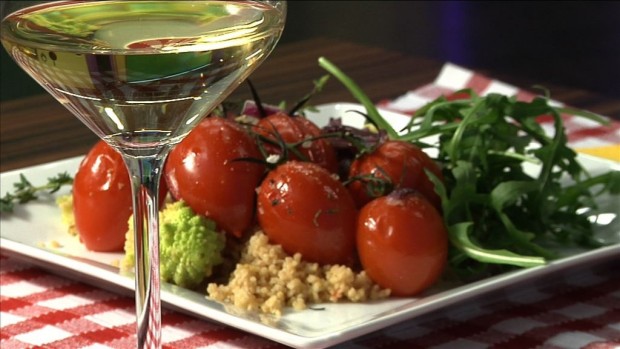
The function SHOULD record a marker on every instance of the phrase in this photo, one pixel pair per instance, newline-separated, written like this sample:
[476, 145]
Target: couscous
[267, 279]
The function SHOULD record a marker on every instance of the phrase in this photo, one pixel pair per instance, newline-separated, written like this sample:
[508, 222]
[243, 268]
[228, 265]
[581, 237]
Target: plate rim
[50, 260]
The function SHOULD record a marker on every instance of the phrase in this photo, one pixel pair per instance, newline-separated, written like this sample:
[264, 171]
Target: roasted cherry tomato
[305, 209]
[295, 130]
[208, 171]
[402, 242]
[102, 199]
[393, 164]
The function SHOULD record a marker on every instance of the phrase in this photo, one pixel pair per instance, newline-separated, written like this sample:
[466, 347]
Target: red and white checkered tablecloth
[582, 134]
[579, 308]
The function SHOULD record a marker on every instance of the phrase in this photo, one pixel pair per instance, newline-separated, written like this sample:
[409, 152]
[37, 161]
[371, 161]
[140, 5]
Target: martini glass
[141, 75]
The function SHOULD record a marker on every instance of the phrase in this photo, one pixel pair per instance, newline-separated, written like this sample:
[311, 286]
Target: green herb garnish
[499, 215]
[25, 191]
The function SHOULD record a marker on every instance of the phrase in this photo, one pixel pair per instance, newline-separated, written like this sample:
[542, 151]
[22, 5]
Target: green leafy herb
[357, 92]
[25, 191]
[499, 215]
[496, 212]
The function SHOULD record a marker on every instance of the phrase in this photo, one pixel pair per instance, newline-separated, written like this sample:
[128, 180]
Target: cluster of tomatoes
[283, 175]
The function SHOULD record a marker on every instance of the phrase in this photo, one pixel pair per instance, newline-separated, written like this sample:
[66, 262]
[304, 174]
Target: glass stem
[145, 173]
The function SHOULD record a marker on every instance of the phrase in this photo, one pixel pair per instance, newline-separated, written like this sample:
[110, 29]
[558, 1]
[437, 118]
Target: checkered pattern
[41, 310]
[576, 310]
[580, 309]
[581, 132]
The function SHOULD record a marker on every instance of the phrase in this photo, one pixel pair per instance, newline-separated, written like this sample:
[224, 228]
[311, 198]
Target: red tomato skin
[102, 202]
[293, 129]
[102, 199]
[402, 242]
[400, 162]
[305, 209]
[202, 170]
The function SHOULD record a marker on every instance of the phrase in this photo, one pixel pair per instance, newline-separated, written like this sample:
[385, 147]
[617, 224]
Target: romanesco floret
[189, 246]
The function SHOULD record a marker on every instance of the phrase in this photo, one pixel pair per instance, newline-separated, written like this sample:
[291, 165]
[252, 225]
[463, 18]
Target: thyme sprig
[24, 191]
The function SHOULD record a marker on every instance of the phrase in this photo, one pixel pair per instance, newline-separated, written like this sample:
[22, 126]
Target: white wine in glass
[141, 75]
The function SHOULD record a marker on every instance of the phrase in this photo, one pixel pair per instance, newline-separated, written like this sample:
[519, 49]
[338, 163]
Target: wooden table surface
[38, 129]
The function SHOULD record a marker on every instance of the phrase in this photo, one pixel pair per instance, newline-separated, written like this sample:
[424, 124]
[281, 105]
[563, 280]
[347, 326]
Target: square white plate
[29, 231]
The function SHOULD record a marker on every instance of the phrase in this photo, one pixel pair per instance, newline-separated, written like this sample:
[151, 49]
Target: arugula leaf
[358, 93]
[499, 214]
[484, 143]
[460, 237]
